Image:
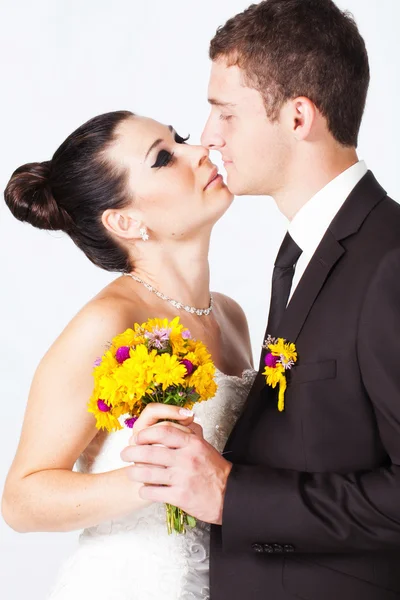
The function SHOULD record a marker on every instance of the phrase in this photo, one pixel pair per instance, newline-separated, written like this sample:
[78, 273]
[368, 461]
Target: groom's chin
[237, 188]
[237, 185]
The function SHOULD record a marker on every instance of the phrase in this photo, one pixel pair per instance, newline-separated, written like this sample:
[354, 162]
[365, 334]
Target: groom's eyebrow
[215, 102]
[158, 142]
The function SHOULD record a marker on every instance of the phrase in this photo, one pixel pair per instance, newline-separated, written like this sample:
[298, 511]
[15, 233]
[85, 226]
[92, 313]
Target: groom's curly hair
[291, 48]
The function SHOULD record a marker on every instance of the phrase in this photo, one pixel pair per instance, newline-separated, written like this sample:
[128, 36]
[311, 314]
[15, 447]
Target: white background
[64, 61]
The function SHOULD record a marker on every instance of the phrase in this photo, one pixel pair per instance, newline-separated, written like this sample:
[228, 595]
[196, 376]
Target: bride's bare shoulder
[108, 313]
[229, 308]
[233, 316]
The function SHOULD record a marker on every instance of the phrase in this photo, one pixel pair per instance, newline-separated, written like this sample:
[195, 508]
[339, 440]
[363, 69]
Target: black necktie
[282, 277]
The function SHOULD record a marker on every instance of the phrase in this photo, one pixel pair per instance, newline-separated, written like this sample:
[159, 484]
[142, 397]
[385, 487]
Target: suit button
[268, 548]
[288, 548]
[257, 548]
[277, 548]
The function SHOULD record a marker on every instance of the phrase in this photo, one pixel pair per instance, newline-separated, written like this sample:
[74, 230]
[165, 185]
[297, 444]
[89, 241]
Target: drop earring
[143, 234]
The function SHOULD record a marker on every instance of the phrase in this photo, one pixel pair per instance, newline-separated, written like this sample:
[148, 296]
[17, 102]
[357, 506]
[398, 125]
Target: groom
[305, 503]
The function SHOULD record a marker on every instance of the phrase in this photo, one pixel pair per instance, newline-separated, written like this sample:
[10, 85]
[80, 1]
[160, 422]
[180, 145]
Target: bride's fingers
[155, 412]
[186, 429]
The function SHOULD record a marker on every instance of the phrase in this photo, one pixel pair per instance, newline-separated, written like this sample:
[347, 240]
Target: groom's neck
[309, 173]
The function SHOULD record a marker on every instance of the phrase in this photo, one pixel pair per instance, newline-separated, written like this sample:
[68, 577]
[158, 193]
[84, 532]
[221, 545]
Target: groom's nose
[211, 138]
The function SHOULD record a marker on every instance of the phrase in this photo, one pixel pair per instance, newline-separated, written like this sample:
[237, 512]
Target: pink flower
[130, 422]
[189, 366]
[122, 354]
[271, 360]
[97, 362]
[158, 338]
[101, 405]
[186, 334]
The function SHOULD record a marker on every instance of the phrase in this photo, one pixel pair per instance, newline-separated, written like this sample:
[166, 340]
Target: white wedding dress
[134, 558]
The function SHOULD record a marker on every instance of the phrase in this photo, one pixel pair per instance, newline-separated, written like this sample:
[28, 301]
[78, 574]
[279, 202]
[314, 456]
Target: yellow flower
[200, 352]
[168, 371]
[136, 373]
[192, 357]
[108, 388]
[286, 350]
[107, 365]
[127, 338]
[203, 381]
[274, 374]
[104, 420]
[178, 344]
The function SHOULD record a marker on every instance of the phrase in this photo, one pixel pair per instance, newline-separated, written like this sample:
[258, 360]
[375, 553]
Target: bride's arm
[42, 493]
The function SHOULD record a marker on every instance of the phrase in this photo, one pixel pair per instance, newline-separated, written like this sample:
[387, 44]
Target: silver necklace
[190, 309]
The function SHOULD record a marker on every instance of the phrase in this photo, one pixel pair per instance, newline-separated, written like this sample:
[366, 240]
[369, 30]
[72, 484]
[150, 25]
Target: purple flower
[97, 362]
[189, 366]
[159, 338]
[122, 354]
[271, 360]
[101, 405]
[130, 422]
[186, 334]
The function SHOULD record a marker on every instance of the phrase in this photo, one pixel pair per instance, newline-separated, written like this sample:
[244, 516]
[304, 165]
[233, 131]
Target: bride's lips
[213, 177]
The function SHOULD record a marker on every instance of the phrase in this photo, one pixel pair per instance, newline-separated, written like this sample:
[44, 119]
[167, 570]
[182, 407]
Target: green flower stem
[178, 520]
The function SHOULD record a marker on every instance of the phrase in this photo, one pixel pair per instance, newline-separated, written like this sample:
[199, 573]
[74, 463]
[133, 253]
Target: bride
[137, 200]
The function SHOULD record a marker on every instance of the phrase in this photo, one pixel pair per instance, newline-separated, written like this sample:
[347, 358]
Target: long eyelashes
[181, 140]
[164, 158]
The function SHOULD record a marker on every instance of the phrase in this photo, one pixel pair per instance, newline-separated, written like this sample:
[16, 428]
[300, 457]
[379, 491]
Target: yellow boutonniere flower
[281, 356]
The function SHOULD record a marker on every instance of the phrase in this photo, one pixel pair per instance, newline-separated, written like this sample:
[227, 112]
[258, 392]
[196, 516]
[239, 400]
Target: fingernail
[185, 412]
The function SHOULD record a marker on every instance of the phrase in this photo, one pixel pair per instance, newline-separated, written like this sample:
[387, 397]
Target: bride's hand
[156, 414]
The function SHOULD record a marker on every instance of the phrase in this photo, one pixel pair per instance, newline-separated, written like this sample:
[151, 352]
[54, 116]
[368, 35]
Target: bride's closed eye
[165, 158]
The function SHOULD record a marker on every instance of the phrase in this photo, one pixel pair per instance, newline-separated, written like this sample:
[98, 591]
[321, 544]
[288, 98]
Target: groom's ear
[300, 117]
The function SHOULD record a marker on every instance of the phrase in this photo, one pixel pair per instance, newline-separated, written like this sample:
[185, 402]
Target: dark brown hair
[291, 48]
[71, 192]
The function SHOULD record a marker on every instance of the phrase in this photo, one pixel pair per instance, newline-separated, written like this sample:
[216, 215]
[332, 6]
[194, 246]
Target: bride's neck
[178, 270]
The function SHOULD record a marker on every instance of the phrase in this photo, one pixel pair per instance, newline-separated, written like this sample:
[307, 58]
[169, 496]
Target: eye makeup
[166, 158]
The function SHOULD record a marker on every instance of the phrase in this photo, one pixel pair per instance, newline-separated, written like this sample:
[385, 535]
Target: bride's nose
[199, 155]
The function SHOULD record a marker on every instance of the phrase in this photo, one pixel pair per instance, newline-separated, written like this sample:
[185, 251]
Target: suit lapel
[365, 196]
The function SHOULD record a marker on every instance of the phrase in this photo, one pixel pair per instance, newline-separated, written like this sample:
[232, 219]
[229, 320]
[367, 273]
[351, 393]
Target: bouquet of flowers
[157, 361]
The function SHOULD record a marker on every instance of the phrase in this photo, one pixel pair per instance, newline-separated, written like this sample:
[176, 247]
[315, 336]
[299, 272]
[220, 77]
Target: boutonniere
[281, 357]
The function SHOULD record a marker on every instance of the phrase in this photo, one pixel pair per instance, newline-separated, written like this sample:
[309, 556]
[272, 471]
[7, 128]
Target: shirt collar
[311, 222]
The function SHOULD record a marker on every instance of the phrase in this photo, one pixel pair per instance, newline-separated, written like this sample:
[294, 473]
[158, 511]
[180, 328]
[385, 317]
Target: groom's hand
[193, 475]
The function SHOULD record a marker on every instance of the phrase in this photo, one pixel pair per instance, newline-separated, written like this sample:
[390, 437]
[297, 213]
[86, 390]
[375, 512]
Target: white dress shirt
[309, 225]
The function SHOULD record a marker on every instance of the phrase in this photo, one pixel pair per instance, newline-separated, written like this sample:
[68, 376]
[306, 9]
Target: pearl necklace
[190, 309]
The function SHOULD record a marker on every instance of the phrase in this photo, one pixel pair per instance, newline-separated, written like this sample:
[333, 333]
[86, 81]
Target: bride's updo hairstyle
[72, 190]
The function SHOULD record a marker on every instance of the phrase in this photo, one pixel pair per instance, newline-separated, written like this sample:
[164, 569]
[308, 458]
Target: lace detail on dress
[133, 558]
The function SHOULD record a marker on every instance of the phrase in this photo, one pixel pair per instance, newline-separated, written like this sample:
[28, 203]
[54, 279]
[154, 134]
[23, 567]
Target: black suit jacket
[312, 506]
